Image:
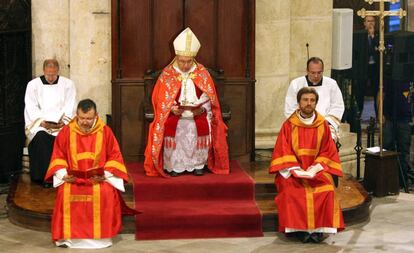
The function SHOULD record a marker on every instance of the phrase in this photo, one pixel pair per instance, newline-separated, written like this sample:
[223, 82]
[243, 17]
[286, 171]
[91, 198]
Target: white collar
[307, 121]
[185, 73]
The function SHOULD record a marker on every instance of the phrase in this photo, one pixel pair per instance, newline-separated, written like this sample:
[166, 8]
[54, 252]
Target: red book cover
[87, 173]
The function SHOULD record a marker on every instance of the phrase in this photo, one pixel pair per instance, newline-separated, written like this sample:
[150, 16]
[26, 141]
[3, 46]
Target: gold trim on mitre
[186, 43]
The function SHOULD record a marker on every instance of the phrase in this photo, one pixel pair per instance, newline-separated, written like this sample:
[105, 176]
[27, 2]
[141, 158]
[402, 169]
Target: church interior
[114, 51]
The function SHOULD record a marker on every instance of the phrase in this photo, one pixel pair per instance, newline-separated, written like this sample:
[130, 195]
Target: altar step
[30, 205]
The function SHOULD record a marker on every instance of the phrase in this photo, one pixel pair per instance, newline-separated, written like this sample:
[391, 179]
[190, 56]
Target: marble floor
[390, 229]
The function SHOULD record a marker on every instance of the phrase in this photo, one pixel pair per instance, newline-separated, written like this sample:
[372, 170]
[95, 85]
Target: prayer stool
[151, 78]
[381, 173]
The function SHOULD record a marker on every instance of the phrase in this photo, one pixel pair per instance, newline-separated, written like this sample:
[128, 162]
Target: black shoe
[303, 236]
[47, 185]
[316, 237]
[4, 188]
[199, 172]
[173, 174]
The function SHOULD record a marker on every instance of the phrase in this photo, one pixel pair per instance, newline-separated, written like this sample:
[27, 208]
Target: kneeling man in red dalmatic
[88, 171]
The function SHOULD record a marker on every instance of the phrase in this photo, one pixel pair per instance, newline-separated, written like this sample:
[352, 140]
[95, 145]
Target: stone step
[344, 127]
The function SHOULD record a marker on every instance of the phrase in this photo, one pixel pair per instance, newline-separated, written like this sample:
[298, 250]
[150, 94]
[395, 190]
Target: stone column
[50, 34]
[90, 51]
[273, 38]
[78, 34]
[311, 22]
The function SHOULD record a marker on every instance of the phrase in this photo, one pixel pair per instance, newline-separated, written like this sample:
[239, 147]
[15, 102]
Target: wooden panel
[201, 17]
[239, 136]
[133, 137]
[167, 23]
[135, 46]
[148, 28]
[15, 73]
[232, 36]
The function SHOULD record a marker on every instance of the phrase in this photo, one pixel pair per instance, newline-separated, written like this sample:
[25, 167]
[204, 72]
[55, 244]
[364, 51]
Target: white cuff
[58, 177]
[115, 181]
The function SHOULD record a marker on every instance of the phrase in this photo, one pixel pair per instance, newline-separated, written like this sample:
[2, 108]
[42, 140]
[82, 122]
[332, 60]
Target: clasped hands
[96, 179]
[196, 111]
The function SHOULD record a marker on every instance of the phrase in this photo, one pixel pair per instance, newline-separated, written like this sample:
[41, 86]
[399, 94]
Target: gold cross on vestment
[381, 13]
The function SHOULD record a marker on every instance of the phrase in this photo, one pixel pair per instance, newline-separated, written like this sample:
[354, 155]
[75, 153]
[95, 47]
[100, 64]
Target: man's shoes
[4, 188]
[173, 174]
[303, 236]
[199, 172]
[64, 245]
[47, 185]
[316, 237]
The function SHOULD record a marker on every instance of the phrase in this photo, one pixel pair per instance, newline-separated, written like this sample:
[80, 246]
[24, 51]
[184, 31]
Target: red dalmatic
[306, 204]
[84, 210]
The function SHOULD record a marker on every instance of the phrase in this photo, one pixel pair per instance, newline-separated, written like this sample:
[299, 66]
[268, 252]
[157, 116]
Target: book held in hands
[309, 173]
[87, 173]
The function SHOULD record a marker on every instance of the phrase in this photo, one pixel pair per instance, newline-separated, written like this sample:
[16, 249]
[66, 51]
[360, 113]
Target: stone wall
[410, 15]
[282, 30]
[78, 34]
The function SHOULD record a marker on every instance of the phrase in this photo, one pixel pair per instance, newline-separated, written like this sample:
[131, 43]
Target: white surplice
[46, 101]
[330, 104]
[185, 155]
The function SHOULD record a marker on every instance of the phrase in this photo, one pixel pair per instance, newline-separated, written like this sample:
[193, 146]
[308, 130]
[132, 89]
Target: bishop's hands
[176, 110]
[198, 111]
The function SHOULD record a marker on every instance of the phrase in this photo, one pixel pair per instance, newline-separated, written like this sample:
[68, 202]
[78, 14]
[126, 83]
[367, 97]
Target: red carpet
[195, 207]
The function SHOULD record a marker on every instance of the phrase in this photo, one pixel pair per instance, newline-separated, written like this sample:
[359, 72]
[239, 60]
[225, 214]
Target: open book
[87, 173]
[189, 107]
[54, 117]
[309, 173]
[192, 107]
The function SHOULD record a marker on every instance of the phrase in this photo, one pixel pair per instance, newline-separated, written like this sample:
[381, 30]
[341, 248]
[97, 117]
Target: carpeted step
[189, 187]
[189, 206]
[197, 219]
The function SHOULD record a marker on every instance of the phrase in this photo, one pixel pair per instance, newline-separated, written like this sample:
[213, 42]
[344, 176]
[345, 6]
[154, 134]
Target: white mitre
[186, 43]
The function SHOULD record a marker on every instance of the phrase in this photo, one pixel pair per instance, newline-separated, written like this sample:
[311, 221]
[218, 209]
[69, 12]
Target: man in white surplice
[49, 105]
[331, 103]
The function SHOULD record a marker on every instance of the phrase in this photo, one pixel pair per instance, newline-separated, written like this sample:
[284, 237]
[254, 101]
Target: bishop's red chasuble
[84, 210]
[306, 204]
[164, 95]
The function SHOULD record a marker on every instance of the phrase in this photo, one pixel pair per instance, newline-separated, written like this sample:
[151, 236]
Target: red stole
[200, 120]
